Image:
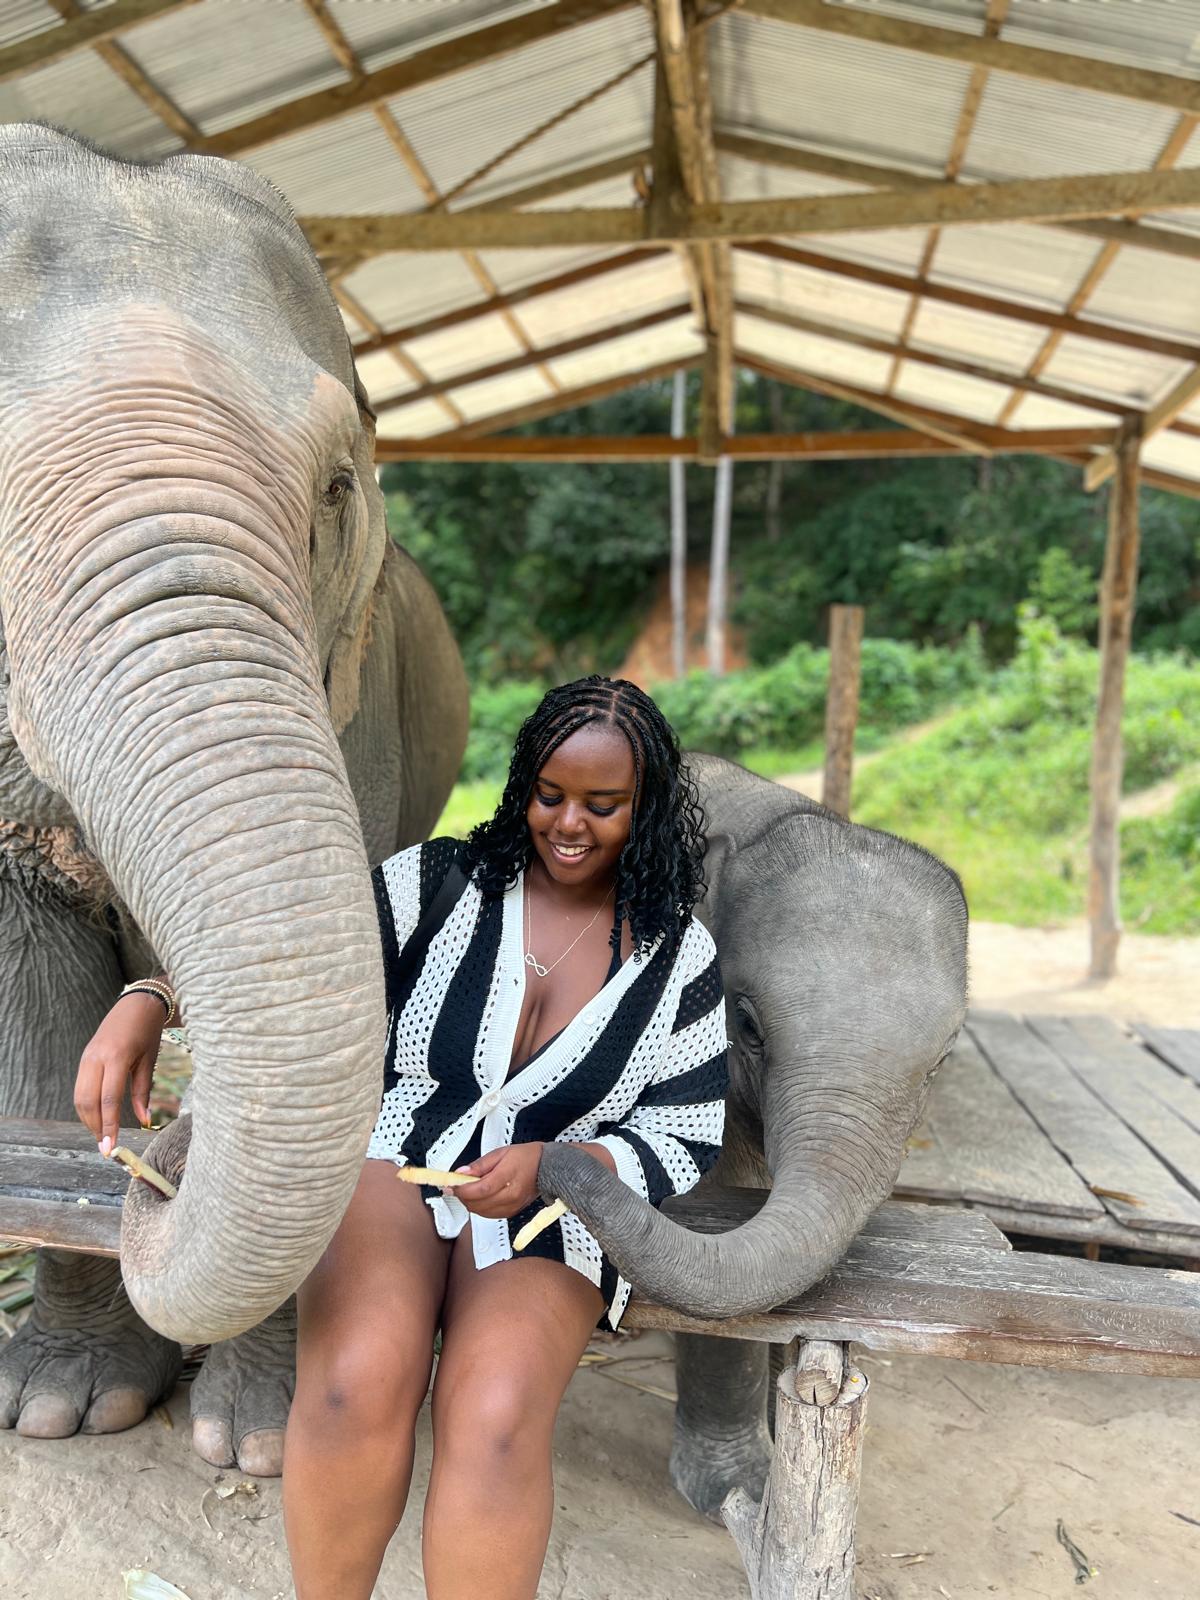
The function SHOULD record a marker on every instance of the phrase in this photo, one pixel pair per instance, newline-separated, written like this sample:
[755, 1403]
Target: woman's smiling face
[581, 808]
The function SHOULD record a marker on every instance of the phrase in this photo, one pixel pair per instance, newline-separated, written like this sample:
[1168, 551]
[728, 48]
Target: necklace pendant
[532, 961]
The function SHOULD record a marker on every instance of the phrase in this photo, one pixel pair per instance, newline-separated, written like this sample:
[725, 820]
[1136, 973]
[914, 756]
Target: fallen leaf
[1116, 1194]
[164, 1416]
[143, 1585]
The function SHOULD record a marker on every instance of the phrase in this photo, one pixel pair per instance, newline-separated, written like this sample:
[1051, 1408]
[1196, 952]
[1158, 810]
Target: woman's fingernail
[105, 1145]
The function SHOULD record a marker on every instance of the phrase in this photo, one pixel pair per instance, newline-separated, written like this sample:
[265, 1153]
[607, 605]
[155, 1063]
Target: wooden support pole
[1118, 589]
[718, 573]
[678, 533]
[841, 705]
[798, 1542]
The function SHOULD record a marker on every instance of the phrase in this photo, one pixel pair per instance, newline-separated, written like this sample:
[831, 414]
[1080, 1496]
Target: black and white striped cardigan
[641, 1069]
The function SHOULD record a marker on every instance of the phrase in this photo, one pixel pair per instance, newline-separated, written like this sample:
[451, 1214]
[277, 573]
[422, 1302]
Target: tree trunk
[798, 1542]
[1117, 591]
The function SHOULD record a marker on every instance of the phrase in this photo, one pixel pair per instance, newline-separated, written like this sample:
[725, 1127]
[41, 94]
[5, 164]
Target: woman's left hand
[507, 1181]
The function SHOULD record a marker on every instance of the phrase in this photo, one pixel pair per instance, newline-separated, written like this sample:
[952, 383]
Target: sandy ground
[971, 1465]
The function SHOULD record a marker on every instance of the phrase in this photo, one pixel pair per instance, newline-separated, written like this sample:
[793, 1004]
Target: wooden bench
[918, 1279]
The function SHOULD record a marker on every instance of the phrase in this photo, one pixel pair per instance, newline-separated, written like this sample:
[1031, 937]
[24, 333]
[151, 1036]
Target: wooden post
[1117, 590]
[841, 705]
[798, 1542]
[678, 535]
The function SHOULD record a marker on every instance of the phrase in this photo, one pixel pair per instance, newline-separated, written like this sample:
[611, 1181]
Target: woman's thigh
[369, 1309]
[512, 1336]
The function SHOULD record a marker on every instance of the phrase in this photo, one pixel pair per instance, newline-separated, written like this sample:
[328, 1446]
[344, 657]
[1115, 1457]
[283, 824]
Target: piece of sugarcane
[545, 1217]
[440, 1180]
[146, 1173]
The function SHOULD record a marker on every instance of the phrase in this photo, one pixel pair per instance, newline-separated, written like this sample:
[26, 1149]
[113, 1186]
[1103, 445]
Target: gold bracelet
[160, 990]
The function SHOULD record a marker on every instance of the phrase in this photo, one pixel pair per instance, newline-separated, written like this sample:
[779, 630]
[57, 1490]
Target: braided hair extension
[660, 874]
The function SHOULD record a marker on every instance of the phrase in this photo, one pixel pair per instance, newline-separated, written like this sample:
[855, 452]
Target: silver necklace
[530, 959]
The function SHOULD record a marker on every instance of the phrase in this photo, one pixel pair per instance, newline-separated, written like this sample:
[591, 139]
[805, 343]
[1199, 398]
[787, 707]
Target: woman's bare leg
[367, 1316]
[512, 1335]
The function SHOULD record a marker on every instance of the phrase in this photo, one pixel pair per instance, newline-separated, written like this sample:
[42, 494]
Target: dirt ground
[968, 1467]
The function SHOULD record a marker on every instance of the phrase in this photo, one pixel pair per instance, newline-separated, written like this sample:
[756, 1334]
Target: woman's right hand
[122, 1050]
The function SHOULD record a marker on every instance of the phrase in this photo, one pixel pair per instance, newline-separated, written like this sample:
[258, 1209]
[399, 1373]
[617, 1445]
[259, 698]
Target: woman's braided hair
[660, 874]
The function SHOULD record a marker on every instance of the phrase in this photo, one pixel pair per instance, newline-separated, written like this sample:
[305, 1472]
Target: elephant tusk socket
[147, 1174]
[545, 1217]
[432, 1175]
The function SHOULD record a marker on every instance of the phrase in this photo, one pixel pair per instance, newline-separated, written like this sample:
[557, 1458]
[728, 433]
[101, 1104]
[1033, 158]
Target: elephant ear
[343, 674]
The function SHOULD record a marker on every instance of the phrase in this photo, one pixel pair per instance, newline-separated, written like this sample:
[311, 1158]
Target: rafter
[1156, 419]
[423, 67]
[89, 28]
[118, 60]
[941, 204]
[1027, 61]
[796, 158]
[972, 300]
[401, 357]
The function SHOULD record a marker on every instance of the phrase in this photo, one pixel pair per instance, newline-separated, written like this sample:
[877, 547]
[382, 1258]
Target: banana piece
[441, 1180]
[545, 1217]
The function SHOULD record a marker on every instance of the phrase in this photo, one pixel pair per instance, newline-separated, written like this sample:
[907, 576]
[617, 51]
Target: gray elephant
[844, 957]
[217, 677]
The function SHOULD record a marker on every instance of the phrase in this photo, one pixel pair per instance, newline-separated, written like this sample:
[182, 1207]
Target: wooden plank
[1098, 1145]
[715, 1209]
[64, 1176]
[1178, 1047]
[1104, 1230]
[1134, 1086]
[998, 55]
[982, 1305]
[94, 1229]
[34, 1133]
[986, 1148]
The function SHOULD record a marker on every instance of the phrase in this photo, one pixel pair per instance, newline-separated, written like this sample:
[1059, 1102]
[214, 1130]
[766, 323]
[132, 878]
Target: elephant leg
[242, 1395]
[721, 1440]
[84, 1359]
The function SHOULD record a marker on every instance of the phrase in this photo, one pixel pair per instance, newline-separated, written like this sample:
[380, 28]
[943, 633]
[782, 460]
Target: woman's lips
[569, 855]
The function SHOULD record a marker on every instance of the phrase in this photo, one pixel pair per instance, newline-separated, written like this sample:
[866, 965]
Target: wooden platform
[1067, 1128]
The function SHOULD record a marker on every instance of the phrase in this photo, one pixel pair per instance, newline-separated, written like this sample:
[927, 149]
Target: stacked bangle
[160, 989]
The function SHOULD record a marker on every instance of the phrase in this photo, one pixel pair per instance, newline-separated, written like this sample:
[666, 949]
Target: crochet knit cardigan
[641, 1069]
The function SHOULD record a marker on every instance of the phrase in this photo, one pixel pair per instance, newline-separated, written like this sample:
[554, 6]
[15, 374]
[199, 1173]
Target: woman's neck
[584, 896]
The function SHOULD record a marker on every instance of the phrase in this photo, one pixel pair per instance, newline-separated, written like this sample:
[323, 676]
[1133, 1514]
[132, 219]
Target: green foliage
[1160, 866]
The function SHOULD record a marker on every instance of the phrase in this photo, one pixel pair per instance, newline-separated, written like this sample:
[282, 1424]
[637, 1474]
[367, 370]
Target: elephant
[223, 695]
[843, 954]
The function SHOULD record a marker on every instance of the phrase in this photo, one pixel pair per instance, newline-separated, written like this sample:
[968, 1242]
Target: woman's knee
[495, 1423]
[353, 1381]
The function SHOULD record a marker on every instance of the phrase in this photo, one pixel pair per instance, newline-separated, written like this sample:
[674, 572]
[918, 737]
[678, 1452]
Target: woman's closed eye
[555, 799]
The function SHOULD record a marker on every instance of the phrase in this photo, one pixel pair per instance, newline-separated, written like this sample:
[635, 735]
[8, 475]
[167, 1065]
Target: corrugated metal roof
[209, 59]
[834, 92]
[1035, 411]
[383, 376]
[463, 122]
[223, 62]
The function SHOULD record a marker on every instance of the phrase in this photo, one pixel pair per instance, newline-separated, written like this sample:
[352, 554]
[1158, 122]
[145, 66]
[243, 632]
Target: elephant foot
[704, 1470]
[242, 1394]
[57, 1381]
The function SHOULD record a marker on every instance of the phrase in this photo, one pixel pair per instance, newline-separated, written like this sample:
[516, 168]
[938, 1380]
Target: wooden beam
[1157, 418]
[972, 300]
[561, 183]
[859, 444]
[495, 304]
[92, 27]
[739, 221]
[929, 358]
[553, 405]
[841, 705]
[998, 55]
[1118, 588]
[400, 356]
[430, 65]
[795, 158]
[553, 352]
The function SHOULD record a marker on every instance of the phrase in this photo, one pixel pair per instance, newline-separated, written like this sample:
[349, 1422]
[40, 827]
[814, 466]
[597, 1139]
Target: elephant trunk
[172, 694]
[829, 1172]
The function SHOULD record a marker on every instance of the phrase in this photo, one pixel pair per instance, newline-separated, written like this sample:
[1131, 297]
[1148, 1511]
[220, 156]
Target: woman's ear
[343, 673]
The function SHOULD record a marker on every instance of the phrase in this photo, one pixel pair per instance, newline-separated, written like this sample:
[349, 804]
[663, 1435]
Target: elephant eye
[748, 1024]
[338, 487]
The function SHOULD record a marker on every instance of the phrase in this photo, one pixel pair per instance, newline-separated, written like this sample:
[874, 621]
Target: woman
[545, 980]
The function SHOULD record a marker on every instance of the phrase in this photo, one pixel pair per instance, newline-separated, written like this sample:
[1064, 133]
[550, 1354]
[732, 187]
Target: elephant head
[843, 954]
[190, 532]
